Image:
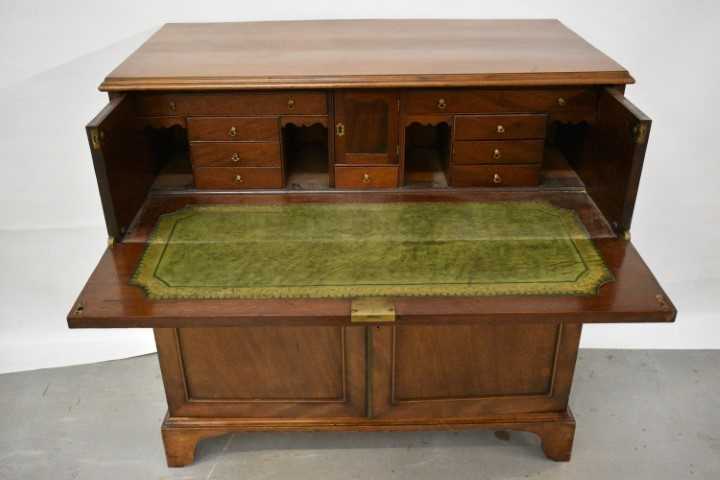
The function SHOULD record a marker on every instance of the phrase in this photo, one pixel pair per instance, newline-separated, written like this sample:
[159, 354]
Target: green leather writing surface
[370, 249]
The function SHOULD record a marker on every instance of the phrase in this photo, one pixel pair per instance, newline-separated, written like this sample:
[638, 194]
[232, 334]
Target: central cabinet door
[366, 127]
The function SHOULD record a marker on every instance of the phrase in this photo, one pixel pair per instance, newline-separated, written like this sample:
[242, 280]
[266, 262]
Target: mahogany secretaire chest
[368, 225]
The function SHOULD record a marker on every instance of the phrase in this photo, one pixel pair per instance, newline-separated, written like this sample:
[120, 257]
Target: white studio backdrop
[53, 55]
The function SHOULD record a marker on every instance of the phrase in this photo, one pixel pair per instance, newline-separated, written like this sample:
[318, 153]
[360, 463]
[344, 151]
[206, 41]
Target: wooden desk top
[363, 54]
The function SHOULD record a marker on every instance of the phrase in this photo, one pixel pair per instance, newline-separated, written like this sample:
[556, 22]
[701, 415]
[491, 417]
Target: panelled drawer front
[498, 151]
[235, 154]
[250, 103]
[494, 175]
[366, 177]
[237, 178]
[495, 100]
[488, 127]
[233, 129]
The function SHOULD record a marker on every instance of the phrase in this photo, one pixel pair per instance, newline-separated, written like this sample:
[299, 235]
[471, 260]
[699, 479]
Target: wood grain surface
[363, 53]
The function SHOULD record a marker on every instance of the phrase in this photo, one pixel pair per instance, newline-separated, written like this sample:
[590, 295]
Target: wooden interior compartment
[109, 301]
[427, 152]
[306, 152]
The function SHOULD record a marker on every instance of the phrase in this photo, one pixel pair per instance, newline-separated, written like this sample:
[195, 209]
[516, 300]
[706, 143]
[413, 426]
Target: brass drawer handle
[497, 179]
[172, 106]
[291, 103]
[340, 129]
[497, 155]
[500, 129]
[366, 178]
[239, 178]
[441, 104]
[235, 157]
[232, 132]
[561, 101]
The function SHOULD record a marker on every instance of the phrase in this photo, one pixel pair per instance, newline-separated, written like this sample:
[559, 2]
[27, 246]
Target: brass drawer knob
[235, 157]
[497, 179]
[366, 178]
[291, 103]
[500, 129]
[497, 155]
[441, 104]
[561, 101]
[239, 178]
[232, 132]
[172, 106]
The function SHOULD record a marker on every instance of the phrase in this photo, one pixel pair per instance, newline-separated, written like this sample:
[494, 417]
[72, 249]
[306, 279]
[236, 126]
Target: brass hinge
[371, 310]
[397, 150]
[640, 131]
[96, 138]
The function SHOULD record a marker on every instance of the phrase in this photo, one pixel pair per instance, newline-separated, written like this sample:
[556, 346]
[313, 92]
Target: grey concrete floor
[641, 415]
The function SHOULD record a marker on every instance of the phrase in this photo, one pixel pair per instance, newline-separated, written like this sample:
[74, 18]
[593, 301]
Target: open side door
[123, 163]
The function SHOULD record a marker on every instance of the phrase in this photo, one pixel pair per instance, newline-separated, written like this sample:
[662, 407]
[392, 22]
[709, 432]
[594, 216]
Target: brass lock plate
[372, 309]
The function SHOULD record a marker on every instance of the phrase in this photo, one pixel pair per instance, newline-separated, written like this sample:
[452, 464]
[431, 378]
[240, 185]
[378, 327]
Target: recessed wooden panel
[263, 363]
[467, 361]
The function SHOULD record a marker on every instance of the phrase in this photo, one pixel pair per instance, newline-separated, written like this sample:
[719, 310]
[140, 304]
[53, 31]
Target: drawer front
[494, 100]
[237, 178]
[491, 127]
[250, 103]
[366, 177]
[235, 154]
[494, 175]
[498, 151]
[233, 129]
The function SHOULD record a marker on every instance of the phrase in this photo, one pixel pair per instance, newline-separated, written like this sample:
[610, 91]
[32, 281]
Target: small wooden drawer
[366, 177]
[235, 154]
[498, 151]
[494, 175]
[499, 100]
[233, 129]
[237, 178]
[490, 127]
[247, 103]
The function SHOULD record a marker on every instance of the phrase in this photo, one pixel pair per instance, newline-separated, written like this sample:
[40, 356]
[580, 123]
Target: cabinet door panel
[422, 371]
[264, 372]
[366, 128]
[610, 167]
[124, 165]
